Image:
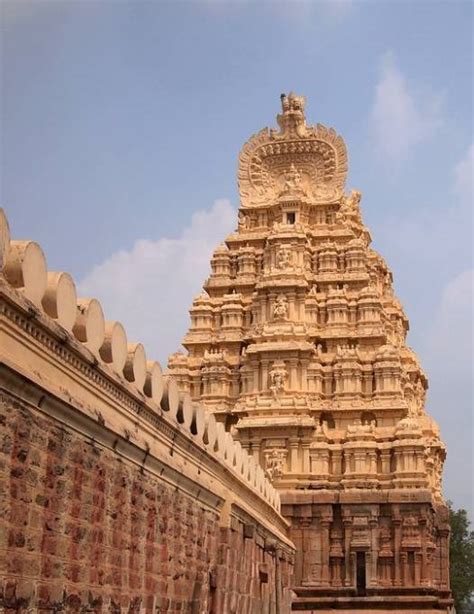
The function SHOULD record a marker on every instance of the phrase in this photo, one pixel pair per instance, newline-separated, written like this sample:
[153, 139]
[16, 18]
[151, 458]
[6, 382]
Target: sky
[121, 124]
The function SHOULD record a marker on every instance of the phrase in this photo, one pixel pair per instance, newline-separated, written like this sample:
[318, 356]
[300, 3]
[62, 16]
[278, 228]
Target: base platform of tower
[298, 346]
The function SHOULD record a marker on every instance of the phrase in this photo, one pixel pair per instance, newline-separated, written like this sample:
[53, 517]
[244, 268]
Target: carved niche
[280, 310]
[284, 258]
[278, 375]
[274, 462]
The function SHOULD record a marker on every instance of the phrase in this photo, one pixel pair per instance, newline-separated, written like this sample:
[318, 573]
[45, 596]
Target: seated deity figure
[292, 179]
[358, 427]
[283, 258]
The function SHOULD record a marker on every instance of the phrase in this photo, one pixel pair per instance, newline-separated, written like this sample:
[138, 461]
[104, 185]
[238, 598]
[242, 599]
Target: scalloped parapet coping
[154, 386]
[60, 299]
[114, 348]
[52, 295]
[89, 327]
[25, 269]
[135, 365]
[170, 400]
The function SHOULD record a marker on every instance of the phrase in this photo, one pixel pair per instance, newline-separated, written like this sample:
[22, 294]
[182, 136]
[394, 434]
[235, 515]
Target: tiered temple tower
[297, 344]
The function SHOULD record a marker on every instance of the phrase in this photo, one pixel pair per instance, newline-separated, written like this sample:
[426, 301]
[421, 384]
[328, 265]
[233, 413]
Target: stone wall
[118, 495]
[85, 528]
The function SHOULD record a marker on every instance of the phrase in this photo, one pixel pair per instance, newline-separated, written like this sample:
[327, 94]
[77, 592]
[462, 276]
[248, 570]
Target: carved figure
[438, 474]
[385, 540]
[292, 120]
[319, 350]
[292, 180]
[399, 333]
[346, 350]
[408, 423]
[280, 310]
[278, 376]
[358, 427]
[351, 202]
[274, 461]
[420, 396]
[244, 221]
[214, 355]
[283, 258]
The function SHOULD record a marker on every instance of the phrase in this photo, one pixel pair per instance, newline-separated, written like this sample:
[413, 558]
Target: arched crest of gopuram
[315, 155]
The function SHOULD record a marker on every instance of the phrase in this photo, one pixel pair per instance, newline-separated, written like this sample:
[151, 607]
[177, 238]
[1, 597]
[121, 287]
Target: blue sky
[122, 122]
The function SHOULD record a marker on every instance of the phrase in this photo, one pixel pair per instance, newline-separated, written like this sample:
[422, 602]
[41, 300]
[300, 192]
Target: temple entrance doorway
[360, 573]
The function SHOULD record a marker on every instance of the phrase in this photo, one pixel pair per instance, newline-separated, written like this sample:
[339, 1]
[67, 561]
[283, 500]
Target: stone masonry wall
[246, 571]
[84, 530]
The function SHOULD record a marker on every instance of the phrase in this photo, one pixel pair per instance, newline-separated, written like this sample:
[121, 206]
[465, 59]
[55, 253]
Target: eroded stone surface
[85, 530]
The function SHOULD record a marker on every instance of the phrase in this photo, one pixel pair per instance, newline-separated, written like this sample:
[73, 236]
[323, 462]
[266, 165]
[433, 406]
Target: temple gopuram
[297, 345]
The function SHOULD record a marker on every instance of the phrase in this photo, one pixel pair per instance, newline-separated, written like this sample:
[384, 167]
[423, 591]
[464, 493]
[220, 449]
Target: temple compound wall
[298, 345]
[118, 494]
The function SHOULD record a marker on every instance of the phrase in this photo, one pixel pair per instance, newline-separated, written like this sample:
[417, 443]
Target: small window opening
[367, 417]
[328, 419]
[291, 217]
[230, 421]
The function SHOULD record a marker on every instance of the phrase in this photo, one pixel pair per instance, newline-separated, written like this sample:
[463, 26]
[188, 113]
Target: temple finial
[292, 121]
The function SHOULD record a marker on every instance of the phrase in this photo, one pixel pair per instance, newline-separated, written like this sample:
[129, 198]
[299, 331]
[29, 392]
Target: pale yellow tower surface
[298, 339]
[297, 344]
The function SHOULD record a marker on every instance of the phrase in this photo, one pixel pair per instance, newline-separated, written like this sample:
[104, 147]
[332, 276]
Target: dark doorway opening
[360, 573]
[411, 569]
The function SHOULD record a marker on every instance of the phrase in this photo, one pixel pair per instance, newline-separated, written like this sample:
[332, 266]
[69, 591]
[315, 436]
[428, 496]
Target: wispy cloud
[464, 177]
[437, 238]
[449, 342]
[402, 116]
[150, 288]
